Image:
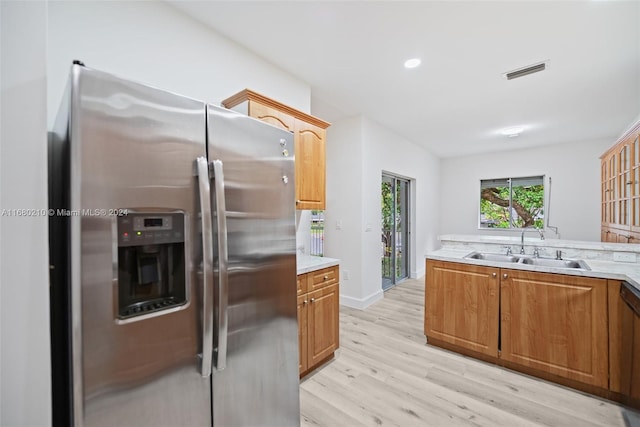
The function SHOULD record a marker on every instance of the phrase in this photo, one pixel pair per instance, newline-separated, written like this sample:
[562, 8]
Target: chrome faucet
[522, 238]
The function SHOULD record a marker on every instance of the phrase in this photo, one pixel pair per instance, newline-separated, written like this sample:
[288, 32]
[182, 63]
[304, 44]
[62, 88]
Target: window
[317, 233]
[512, 202]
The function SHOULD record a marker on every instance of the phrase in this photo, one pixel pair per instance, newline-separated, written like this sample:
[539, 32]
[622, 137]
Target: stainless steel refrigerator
[173, 276]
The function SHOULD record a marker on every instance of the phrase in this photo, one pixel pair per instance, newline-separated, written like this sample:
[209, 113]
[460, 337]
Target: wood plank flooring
[385, 375]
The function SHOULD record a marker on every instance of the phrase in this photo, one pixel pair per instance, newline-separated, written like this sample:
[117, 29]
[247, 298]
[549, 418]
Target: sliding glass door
[395, 230]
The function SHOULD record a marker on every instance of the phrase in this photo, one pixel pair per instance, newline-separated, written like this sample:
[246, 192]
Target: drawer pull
[313, 300]
[326, 277]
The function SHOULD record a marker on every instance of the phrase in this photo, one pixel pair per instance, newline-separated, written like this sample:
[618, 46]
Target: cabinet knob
[304, 302]
[494, 274]
[326, 277]
[504, 276]
[313, 300]
[297, 202]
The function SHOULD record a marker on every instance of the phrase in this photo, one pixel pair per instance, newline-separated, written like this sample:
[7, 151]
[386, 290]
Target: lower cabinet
[461, 305]
[570, 329]
[634, 390]
[318, 317]
[555, 323]
[624, 347]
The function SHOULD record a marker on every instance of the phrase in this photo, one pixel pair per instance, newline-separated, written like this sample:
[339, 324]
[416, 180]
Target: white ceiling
[352, 53]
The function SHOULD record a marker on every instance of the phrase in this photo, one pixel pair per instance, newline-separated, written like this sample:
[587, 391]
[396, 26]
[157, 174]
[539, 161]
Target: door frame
[406, 230]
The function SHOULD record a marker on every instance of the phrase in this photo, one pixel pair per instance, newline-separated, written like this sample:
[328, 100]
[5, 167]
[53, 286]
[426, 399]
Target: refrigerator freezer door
[133, 147]
[259, 386]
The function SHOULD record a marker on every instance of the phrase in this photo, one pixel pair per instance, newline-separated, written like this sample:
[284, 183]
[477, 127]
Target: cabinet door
[608, 188]
[620, 341]
[635, 367]
[635, 188]
[310, 166]
[271, 116]
[302, 332]
[607, 236]
[301, 282]
[322, 318]
[461, 305]
[555, 323]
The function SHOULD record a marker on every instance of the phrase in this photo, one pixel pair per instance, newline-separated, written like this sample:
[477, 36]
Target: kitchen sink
[493, 257]
[525, 259]
[557, 263]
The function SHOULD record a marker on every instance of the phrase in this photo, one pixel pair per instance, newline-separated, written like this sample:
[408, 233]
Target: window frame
[510, 208]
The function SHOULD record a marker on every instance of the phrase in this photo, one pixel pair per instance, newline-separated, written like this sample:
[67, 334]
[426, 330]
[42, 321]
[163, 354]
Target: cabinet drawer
[322, 278]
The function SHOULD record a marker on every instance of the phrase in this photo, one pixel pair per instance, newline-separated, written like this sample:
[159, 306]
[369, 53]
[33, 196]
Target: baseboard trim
[361, 303]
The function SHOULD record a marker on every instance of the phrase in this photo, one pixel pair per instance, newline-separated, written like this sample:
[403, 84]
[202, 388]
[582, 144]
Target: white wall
[575, 193]
[25, 366]
[344, 206]
[358, 152]
[153, 43]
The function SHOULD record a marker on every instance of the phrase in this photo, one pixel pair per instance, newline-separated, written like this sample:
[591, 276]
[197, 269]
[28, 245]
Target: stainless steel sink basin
[492, 257]
[556, 263]
[526, 259]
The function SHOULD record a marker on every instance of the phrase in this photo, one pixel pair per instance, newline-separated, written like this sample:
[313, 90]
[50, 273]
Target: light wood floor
[385, 375]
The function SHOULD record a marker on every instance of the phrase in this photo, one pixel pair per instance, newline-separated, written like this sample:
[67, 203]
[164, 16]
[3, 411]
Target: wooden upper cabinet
[620, 190]
[272, 116]
[310, 166]
[555, 323]
[634, 196]
[309, 142]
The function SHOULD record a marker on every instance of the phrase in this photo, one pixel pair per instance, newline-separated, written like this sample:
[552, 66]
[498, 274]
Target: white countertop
[629, 272]
[307, 263]
[532, 239]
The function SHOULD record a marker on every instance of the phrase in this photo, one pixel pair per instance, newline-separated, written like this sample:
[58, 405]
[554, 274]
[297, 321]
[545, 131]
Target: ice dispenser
[151, 263]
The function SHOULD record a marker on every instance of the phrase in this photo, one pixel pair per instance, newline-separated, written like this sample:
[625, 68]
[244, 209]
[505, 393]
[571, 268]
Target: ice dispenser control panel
[151, 263]
[135, 229]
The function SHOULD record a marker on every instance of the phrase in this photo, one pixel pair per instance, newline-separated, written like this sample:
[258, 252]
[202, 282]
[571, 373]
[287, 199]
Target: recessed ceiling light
[412, 63]
[512, 132]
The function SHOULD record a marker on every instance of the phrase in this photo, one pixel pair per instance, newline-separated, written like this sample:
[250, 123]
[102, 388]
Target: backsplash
[546, 248]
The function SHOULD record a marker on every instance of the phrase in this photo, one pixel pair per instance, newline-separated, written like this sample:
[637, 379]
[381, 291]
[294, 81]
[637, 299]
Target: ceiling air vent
[525, 71]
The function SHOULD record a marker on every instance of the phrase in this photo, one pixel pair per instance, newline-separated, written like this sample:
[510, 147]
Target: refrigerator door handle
[202, 170]
[223, 261]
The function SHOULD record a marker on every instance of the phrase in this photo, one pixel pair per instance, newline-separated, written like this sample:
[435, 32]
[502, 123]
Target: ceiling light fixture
[512, 132]
[412, 63]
